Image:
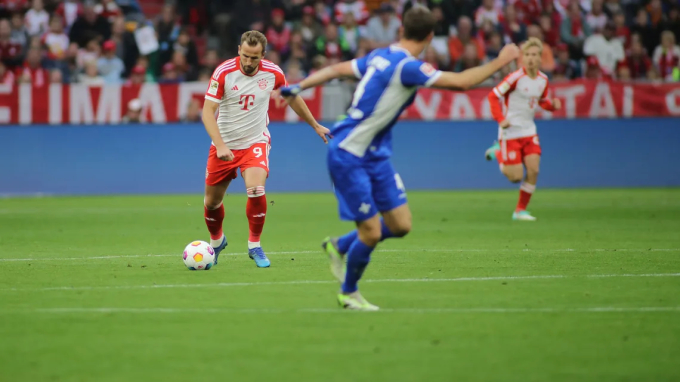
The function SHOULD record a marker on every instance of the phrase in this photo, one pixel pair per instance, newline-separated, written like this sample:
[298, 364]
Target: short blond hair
[532, 42]
[252, 38]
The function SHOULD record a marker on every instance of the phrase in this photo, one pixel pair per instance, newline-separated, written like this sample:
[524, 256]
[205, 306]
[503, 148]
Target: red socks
[256, 210]
[213, 219]
[525, 192]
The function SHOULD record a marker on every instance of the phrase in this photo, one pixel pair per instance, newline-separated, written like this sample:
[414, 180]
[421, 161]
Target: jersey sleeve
[499, 92]
[418, 73]
[280, 80]
[215, 90]
[359, 66]
[546, 103]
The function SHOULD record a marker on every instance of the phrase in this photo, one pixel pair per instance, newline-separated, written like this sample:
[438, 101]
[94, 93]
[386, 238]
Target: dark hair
[418, 23]
[252, 38]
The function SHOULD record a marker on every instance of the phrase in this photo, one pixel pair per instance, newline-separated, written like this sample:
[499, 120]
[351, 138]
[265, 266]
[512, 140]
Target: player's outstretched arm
[210, 122]
[342, 69]
[471, 77]
[300, 108]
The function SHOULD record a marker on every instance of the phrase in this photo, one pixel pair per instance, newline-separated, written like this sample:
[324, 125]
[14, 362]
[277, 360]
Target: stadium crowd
[101, 42]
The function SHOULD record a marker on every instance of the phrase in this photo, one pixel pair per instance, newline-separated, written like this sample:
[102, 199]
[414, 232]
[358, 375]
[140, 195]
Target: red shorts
[217, 170]
[513, 151]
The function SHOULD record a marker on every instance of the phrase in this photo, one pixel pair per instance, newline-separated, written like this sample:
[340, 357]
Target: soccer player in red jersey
[240, 90]
[518, 148]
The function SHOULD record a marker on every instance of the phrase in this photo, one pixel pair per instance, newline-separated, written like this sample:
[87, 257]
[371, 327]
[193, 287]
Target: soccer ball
[199, 256]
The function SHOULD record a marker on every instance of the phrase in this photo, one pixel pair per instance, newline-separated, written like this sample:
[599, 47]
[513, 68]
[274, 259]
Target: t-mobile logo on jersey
[246, 100]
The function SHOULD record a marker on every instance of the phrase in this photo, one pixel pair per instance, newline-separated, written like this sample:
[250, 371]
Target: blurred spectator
[138, 75]
[383, 28]
[88, 26]
[126, 46]
[37, 19]
[294, 73]
[638, 61]
[278, 33]
[109, 65]
[574, 31]
[11, 6]
[309, 26]
[108, 9]
[513, 29]
[89, 53]
[69, 10]
[10, 51]
[364, 48]
[528, 11]
[673, 22]
[494, 44]
[550, 31]
[322, 12]
[211, 60]
[56, 76]
[356, 7]
[621, 32]
[647, 32]
[251, 15]
[593, 68]
[185, 71]
[608, 50]
[56, 42]
[204, 75]
[623, 73]
[457, 43]
[32, 72]
[487, 11]
[547, 58]
[655, 10]
[7, 77]
[297, 52]
[442, 28]
[331, 45]
[469, 59]
[350, 32]
[612, 7]
[432, 58]
[555, 16]
[167, 26]
[91, 75]
[19, 32]
[133, 114]
[565, 67]
[186, 47]
[147, 70]
[596, 19]
[666, 56]
[194, 111]
[318, 63]
[169, 74]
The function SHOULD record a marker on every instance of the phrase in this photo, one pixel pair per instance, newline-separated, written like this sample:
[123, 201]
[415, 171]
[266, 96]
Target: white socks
[253, 244]
[216, 243]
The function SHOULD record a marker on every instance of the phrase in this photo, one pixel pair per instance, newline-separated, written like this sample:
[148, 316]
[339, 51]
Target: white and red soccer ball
[199, 256]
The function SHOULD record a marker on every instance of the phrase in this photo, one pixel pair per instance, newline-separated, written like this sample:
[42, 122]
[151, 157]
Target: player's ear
[239, 50]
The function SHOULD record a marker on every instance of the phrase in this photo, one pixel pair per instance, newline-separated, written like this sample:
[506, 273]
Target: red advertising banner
[80, 104]
[580, 99]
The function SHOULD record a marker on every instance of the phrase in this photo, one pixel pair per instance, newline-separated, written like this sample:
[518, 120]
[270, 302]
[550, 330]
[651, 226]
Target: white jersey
[244, 101]
[520, 94]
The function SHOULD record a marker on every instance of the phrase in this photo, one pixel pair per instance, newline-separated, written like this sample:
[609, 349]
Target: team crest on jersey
[214, 85]
[262, 84]
[504, 87]
[512, 155]
[427, 69]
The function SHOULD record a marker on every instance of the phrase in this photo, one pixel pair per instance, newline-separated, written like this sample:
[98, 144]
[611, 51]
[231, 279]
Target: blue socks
[344, 242]
[358, 257]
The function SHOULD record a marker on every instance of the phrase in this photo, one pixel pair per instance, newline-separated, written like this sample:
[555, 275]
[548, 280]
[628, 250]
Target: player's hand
[504, 124]
[223, 153]
[323, 132]
[509, 53]
[557, 104]
[291, 91]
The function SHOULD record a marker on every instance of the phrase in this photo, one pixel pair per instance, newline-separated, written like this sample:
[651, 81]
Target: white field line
[304, 282]
[380, 250]
[603, 309]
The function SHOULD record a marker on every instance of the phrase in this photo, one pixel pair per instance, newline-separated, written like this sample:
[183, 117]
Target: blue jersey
[389, 78]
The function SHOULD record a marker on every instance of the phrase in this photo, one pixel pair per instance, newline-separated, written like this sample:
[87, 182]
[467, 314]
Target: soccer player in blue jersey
[366, 185]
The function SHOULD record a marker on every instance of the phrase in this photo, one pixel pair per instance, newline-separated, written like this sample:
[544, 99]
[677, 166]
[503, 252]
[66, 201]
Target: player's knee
[370, 234]
[514, 177]
[212, 203]
[532, 172]
[401, 228]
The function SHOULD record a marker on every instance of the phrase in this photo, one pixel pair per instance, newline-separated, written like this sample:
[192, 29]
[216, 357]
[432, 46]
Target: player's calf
[514, 172]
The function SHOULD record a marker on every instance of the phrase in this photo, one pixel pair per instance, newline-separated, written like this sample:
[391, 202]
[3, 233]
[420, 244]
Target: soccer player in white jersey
[517, 147]
[240, 90]
[366, 184]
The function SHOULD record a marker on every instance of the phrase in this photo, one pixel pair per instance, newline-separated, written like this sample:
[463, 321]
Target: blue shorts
[363, 186]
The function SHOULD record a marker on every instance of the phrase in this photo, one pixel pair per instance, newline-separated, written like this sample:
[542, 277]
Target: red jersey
[9, 50]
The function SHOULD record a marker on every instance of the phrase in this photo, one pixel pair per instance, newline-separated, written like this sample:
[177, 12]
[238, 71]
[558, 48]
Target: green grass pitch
[94, 289]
